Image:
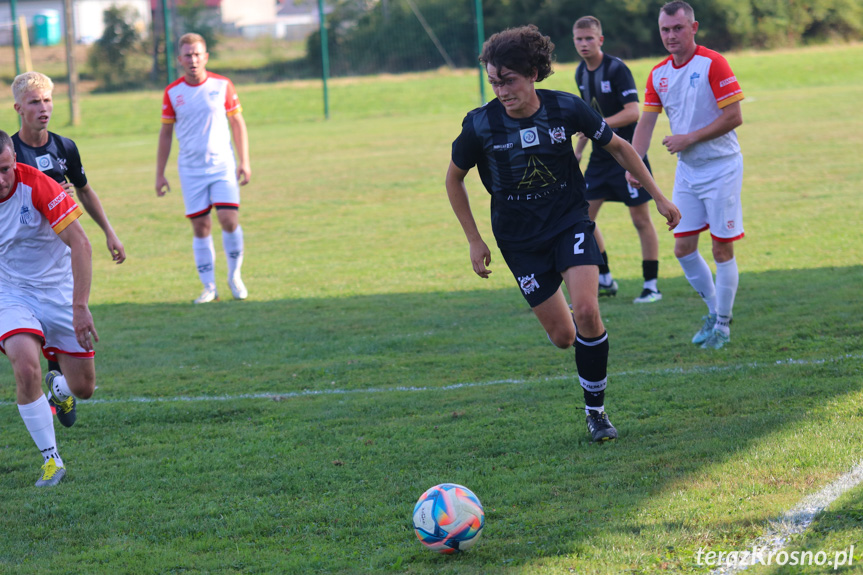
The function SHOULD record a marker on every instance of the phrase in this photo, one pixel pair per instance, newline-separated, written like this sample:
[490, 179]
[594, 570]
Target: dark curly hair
[522, 50]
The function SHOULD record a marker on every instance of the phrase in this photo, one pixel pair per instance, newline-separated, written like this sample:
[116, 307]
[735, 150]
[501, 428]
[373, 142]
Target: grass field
[293, 432]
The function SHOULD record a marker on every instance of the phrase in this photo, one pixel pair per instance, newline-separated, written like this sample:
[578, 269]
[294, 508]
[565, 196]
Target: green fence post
[325, 58]
[480, 36]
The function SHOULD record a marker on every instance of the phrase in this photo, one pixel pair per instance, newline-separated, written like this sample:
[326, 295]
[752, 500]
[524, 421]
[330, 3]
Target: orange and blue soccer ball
[448, 518]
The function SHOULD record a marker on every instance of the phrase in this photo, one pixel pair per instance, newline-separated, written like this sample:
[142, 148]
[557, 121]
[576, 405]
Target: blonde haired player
[206, 112]
[58, 158]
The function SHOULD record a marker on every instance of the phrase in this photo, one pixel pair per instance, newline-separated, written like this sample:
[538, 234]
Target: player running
[45, 274]
[521, 143]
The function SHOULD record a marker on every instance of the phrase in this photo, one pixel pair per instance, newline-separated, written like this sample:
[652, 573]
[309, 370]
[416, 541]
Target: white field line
[280, 396]
[796, 520]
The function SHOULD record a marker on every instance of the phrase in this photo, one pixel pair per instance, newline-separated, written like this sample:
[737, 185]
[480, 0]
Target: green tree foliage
[195, 17]
[116, 58]
[370, 36]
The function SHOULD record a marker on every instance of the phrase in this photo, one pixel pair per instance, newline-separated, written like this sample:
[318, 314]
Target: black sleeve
[623, 83]
[74, 169]
[590, 123]
[467, 148]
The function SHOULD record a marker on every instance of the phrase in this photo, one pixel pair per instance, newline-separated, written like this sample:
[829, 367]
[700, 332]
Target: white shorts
[708, 197]
[51, 322]
[203, 191]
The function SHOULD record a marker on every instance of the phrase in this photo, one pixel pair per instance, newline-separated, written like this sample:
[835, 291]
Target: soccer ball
[448, 518]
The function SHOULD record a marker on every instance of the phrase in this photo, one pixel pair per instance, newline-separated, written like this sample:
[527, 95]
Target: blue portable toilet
[46, 28]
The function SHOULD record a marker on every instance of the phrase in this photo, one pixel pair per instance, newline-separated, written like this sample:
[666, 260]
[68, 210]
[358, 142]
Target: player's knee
[586, 315]
[82, 387]
[27, 370]
[562, 337]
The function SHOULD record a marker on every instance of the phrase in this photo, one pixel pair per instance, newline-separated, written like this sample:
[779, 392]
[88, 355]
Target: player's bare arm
[641, 140]
[82, 271]
[241, 143]
[729, 118]
[628, 115]
[480, 255]
[627, 156]
[93, 206]
[166, 134]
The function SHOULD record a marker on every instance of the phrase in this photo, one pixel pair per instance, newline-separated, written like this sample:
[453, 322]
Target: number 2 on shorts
[579, 239]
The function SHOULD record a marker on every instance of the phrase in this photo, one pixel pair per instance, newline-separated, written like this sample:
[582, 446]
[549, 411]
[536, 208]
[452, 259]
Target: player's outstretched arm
[93, 206]
[628, 157]
[82, 273]
[166, 135]
[241, 143]
[480, 255]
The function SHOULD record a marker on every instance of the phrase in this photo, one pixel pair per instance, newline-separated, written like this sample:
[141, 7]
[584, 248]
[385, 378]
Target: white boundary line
[277, 396]
[796, 520]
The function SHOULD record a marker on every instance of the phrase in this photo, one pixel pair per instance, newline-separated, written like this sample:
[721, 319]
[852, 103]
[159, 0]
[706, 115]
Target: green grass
[370, 363]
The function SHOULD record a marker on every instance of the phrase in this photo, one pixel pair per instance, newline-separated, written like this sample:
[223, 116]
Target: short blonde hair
[29, 81]
[191, 38]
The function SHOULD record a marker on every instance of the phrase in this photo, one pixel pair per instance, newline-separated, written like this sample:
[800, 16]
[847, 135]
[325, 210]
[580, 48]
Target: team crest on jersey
[24, 218]
[529, 137]
[693, 80]
[558, 135]
[180, 100]
[528, 283]
[663, 85]
[43, 162]
[606, 87]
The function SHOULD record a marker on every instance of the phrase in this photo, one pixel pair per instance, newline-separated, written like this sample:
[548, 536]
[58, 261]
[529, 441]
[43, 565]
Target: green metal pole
[170, 65]
[13, 5]
[480, 36]
[325, 58]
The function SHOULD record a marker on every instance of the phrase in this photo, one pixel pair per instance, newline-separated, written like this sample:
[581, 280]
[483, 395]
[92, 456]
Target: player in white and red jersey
[45, 273]
[699, 92]
[206, 111]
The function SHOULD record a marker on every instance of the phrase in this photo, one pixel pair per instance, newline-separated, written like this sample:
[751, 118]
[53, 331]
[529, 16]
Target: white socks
[205, 258]
[39, 421]
[700, 277]
[233, 244]
[727, 278]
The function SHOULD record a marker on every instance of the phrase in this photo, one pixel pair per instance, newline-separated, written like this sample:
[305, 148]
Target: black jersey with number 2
[58, 159]
[528, 165]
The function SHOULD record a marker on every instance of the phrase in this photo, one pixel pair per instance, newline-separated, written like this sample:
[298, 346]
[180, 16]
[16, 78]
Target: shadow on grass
[322, 475]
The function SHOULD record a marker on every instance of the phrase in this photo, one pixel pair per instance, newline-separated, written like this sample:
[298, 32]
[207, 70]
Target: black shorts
[538, 270]
[608, 182]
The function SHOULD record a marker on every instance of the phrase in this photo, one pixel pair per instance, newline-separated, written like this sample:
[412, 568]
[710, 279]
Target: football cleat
[209, 294]
[648, 296]
[51, 474]
[608, 289]
[706, 328]
[238, 288]
[716, 339]
[64, 410]
[599, 426]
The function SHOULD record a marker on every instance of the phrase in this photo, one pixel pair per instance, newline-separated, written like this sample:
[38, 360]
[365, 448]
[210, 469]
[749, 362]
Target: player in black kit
[606, 84]
[521, 144]
[58, 158]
